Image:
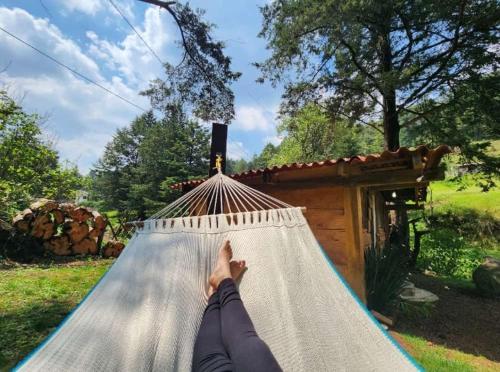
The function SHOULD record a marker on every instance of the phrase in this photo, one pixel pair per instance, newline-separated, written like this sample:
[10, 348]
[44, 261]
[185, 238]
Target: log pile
[66, 229]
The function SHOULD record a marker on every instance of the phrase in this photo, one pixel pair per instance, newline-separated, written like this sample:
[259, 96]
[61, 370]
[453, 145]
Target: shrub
[447, 253]
[386, 269]
[482, 228]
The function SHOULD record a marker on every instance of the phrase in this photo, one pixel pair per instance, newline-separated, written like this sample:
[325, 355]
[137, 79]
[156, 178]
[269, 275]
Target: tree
[144, 159]
[311, 135]
[264, 159]
[29, 166]
[467, 120]
[368, 59]
[201, 81]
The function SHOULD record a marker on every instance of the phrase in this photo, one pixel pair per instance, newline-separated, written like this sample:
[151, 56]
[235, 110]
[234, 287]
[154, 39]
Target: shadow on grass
[50, 262]
[460, 320]
[22, 329]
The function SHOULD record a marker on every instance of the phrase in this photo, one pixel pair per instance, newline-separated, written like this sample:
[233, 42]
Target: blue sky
[89, 36]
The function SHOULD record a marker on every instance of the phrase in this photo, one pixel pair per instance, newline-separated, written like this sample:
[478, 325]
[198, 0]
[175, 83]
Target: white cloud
[253, 118]
[131, 57]
[82, 116]
[275, 140]
[236, 150]
[90, 7]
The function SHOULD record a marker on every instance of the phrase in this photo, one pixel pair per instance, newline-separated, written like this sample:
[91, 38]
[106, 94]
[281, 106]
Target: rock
[487, 277]
[419, 295]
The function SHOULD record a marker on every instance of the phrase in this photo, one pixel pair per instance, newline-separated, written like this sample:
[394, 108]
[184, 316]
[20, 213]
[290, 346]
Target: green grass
[445, 196]
[437, 358]
[467, 203]
[34, 300]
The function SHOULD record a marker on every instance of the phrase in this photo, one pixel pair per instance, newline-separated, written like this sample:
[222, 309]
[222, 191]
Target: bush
[385, 272]
[447, 253]
[482, 228]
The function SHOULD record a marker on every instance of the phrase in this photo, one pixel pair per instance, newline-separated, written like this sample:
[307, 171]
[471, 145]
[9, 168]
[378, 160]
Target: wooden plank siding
[334, 215]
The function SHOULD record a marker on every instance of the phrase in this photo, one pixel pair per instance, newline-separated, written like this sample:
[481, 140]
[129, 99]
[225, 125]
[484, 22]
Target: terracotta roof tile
[429, 157]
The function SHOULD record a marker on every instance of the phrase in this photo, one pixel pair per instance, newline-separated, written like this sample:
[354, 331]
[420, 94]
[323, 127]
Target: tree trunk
[391, 121]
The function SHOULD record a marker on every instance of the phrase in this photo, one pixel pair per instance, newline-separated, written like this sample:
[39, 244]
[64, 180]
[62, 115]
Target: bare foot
[222, 268]
[237, 268]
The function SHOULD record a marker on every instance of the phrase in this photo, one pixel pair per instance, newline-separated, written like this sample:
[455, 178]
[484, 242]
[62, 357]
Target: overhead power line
[72, 70]
[136, 32]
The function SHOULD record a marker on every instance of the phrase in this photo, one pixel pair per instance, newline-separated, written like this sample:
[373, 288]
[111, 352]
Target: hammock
[145, 313]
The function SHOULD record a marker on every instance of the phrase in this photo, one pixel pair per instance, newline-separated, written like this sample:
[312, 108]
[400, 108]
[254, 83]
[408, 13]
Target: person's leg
[209, 352]
[246, 350]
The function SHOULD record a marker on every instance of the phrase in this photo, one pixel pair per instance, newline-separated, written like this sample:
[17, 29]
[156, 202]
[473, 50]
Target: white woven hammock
[145, 313]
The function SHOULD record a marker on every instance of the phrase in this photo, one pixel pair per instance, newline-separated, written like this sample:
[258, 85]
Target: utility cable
[72, 70]
[136, 32]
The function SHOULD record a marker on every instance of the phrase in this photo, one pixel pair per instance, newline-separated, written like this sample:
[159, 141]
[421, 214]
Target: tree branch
[166, 5]
[352, 52]
[446, 55]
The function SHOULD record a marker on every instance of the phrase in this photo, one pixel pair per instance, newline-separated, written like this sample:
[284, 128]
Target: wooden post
[218, 148]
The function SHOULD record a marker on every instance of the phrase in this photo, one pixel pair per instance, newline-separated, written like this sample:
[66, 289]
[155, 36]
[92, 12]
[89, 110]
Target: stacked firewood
[65, 228]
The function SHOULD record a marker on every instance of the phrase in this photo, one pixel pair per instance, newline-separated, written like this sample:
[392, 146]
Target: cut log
[95, 233]
[58, 216]
[22, 220]
[67, 208]
[113, 248]
[80, 214]
[76, 231]
[85, 246]
[59, 245]
[99, 222]
[26, 215]
[44, 205]
[22, 226]
[42, 227]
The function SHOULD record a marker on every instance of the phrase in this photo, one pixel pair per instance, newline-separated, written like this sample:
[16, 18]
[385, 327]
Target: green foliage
[201, 81]
[361, 59]
[456, 195]
[35, 300]
[438, 358]
[386, 269]
[447, 254]
[29, 167]
[144, 159]
[310, 135]
[472, 225]
[466, 119]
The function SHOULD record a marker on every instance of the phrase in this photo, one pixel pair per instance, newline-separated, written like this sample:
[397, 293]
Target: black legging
[227, 340]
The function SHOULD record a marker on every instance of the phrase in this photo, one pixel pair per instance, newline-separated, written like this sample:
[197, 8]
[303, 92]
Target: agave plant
[386, 269]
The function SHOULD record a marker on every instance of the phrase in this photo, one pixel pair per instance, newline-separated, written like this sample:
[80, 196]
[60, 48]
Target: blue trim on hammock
[51, 335]
[328, 260]
[367, 312]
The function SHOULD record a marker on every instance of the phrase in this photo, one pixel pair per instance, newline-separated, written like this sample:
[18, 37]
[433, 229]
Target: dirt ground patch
[460, 320]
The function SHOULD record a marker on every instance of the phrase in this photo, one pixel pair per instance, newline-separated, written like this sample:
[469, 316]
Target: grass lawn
[439, 358]
[446, 197]
[35, 299]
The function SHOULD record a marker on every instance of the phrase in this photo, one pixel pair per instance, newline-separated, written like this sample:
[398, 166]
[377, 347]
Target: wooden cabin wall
[335, 217]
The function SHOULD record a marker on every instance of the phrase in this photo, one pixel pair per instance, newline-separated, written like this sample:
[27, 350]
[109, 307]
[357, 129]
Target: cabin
[350, 202]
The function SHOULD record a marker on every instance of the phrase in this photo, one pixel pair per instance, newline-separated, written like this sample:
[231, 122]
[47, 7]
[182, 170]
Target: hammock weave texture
[145, 313]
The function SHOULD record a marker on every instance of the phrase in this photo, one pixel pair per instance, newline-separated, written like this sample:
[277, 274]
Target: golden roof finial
[218, 162]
